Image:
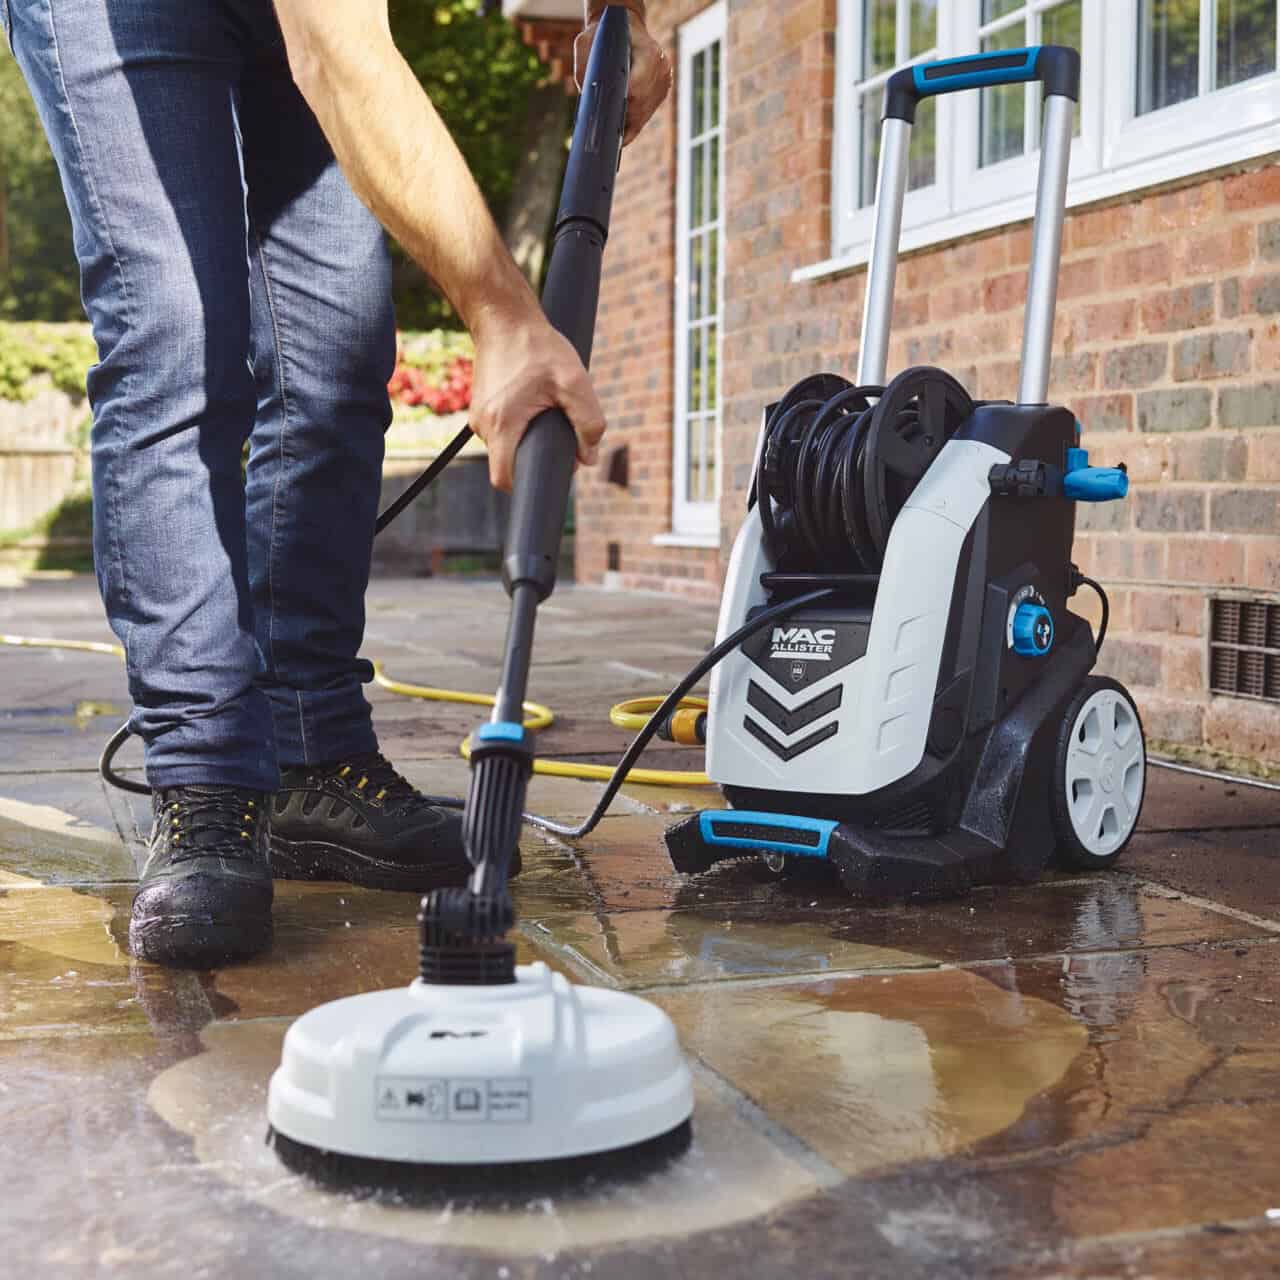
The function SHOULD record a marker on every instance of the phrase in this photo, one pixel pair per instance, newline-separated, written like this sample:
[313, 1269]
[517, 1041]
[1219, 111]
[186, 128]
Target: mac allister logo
[802, 642]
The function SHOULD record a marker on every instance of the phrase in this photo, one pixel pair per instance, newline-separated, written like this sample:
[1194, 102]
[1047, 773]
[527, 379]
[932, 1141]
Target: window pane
[1246, 40]
[713, 180]
[1061, 25]
[710, 344]
[1004, 109]
[713, 113]
[879, 42]
[924, 26]
[869, 107]
[921, 158]
[696, 291]
[1168, 53]
[693, 430]
[993, 9]
[699, 74]
[696, 174]
[709, 465]
[695, 370]
[713, 272]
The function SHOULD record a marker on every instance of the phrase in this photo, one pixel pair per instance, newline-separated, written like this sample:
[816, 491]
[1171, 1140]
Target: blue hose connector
[1083, 483]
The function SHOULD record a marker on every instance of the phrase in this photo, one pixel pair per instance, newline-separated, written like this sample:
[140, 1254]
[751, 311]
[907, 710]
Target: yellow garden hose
[82, 646]
[632, 715]
[626, 715]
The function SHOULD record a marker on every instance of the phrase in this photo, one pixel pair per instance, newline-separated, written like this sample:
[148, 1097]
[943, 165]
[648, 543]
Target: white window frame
[695, 522]
[1117, 150]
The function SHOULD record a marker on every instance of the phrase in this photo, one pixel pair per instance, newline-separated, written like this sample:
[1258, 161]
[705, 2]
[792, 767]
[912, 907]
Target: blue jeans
[238, 291]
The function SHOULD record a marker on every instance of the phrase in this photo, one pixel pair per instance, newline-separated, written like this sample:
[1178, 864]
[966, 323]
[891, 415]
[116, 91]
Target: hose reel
[839, 463]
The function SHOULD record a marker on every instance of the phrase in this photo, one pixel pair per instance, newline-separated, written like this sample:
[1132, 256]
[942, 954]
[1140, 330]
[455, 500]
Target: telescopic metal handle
[1058, 68]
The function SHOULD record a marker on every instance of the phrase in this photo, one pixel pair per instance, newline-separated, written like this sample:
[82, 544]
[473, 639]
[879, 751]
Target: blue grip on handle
[1095, 484]
[1055, 65]
[949, 75]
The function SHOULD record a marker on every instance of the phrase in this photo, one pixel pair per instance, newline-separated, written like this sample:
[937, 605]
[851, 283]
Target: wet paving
[1075, 1078]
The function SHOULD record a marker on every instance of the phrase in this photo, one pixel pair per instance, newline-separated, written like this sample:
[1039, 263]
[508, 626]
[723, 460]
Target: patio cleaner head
[924, 720]
[479, 1061]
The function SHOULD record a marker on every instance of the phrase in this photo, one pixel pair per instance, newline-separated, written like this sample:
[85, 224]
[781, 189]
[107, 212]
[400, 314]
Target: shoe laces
[210, 822]
[374, 777]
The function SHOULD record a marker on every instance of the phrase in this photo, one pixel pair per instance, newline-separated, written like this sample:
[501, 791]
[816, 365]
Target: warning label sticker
[500, 1101]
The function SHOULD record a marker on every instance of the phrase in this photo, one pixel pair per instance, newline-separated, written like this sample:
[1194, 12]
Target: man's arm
[402, 162]
[651, 72]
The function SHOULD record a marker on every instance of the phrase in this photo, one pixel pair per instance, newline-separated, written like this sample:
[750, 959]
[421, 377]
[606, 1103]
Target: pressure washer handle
[545, 457]
[1058, 68]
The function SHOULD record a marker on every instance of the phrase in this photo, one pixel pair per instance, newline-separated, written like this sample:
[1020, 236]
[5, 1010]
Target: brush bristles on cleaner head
[482, 1185]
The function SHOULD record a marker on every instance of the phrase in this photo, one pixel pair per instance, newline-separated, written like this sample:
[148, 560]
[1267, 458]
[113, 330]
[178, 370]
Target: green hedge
[31, 352]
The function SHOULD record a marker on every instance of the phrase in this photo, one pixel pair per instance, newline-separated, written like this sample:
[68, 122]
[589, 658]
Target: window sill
[706, 541]
[1107, 184]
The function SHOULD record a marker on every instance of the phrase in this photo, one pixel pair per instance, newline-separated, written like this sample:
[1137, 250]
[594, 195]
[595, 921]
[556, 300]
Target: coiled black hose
[839, 462]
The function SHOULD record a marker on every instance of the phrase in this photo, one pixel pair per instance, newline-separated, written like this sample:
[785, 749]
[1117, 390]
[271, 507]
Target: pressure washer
[898, 691]
[930, 724]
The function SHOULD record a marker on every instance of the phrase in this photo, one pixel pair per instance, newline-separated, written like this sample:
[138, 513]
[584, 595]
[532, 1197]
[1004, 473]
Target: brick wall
[1167, 347]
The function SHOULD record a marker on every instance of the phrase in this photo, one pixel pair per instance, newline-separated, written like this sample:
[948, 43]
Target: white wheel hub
[1106, 772]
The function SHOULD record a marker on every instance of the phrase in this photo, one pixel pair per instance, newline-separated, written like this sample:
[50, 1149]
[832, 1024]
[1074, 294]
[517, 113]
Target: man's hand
[651, 73]
[524, 366]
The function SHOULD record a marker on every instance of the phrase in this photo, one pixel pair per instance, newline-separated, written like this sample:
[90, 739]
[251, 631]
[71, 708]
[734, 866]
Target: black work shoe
[204, 896]
[358, 820]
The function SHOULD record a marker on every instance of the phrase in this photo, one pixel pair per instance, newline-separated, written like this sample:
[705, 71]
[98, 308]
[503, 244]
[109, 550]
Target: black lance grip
[545, 456]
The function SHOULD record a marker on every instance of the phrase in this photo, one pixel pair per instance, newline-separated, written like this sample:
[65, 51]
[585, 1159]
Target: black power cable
[446, 456]
[1106, 610]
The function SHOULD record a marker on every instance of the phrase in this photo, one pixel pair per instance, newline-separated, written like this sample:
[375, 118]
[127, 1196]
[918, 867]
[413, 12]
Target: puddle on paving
[731, 1172]
[62, 969]
[58, 922]
[737, 925]
[871, 1072]
[42, 842]
[647, 948]
[66, 967]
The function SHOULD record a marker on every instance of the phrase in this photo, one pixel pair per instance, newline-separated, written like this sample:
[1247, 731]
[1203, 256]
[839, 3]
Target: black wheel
[1099, 775]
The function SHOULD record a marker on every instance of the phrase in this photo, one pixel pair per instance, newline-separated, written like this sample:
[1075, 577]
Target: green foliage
[63, 353]
[67, 535]
[41, 280]
[478, 74]
[476, 70]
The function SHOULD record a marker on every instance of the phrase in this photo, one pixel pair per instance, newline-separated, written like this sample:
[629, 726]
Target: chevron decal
[795, 720]
[780, 749]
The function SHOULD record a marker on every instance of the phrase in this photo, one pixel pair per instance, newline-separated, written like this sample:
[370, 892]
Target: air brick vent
[1244, 649]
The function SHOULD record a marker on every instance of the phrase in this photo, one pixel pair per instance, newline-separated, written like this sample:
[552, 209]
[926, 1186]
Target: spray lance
[464, 930]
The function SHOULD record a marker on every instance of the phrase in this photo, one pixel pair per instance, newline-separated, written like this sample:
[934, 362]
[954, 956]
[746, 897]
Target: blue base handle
[750, 829]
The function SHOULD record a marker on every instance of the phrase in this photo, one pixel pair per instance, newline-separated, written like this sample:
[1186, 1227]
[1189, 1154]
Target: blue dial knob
[1032, 630]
